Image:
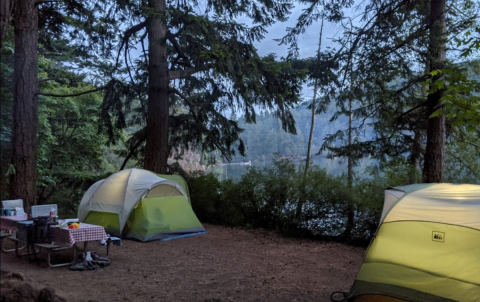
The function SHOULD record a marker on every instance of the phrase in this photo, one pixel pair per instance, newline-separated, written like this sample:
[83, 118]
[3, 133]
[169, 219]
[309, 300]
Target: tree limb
[190, 105]
[127, 34]
[463, 163]
[177, 74]
[175, 44]
[132, 150]
[413, 82]
[73, 94]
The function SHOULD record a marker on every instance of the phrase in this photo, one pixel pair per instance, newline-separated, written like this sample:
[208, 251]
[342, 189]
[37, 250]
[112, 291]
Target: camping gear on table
[12, 204]
[36, 230]
[41, 229]
[45, 210]
[427, 247]
[139, 204]
[12, 207]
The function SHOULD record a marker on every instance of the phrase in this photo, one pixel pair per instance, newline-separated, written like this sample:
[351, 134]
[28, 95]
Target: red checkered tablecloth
[86, 232]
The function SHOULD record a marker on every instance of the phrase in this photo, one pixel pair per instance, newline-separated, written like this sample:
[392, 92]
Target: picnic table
[63, 238]
[9, 223]
[8, 226]
[85, 233]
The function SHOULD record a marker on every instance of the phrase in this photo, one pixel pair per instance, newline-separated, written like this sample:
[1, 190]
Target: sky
[308, 42]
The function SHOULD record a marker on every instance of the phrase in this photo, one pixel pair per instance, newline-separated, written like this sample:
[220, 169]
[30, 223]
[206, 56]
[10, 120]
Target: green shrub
[270, 199]
[205, 194]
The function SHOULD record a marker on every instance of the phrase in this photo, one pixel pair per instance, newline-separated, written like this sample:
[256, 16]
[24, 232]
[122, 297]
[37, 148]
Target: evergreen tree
[388, 56]
[36, 25]
[204, 62]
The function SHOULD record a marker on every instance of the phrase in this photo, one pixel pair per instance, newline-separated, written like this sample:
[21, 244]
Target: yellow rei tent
[426, 249]
[142, 205]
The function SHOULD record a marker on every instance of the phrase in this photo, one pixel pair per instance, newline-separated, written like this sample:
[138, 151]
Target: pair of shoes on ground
[96, 263]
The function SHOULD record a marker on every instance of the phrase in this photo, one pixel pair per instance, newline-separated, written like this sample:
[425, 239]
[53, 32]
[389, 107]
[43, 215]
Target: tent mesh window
[163, 190]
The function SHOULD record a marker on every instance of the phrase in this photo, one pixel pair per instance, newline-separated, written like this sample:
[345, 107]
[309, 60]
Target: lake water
[333, 166]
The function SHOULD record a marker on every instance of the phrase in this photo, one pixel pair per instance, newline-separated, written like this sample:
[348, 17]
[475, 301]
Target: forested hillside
[265, 138]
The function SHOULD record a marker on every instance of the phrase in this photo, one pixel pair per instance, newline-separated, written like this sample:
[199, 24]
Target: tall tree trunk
[302, 198]
[315, 88]
[157, 148]
[350, 208]
[350, 141]
[436, 130]
[312, 127]
[25, 108]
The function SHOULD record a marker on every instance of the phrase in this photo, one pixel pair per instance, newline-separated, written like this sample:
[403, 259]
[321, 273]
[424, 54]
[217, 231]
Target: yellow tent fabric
[427, 247]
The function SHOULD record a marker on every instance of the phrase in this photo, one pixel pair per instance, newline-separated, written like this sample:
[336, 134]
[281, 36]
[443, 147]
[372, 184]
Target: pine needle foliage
[213, 69]
[386, 60]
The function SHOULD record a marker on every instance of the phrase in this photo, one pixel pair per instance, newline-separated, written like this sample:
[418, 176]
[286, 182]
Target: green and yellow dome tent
[426, 249]
[139, 204]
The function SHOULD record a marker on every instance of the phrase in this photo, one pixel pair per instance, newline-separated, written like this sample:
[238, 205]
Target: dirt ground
[225, 264]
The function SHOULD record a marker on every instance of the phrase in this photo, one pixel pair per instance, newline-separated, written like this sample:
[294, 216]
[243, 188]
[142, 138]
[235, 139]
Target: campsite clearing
[225, 264]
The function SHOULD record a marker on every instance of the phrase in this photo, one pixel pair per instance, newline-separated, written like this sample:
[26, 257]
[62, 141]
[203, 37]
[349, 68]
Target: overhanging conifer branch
[410, 110]
[127, 34]
[73, 94]
[133, 149]
[179, 51]
[467, 166]
[144, 51]
[413, 82]
[190, 105]
[466, 141]
[178, 74]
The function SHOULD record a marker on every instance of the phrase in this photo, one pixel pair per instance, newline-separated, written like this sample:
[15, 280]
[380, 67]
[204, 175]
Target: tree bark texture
[157, 147]
[25, 108]
[436, 130]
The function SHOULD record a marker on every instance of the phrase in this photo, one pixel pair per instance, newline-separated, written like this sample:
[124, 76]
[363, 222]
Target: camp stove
[41, 225]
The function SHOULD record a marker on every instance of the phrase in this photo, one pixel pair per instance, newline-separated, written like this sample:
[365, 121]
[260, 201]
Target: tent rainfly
[139, 204]
[426, 249]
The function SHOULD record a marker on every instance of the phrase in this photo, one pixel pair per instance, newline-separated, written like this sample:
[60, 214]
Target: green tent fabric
[141, 205]
[427, 247]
